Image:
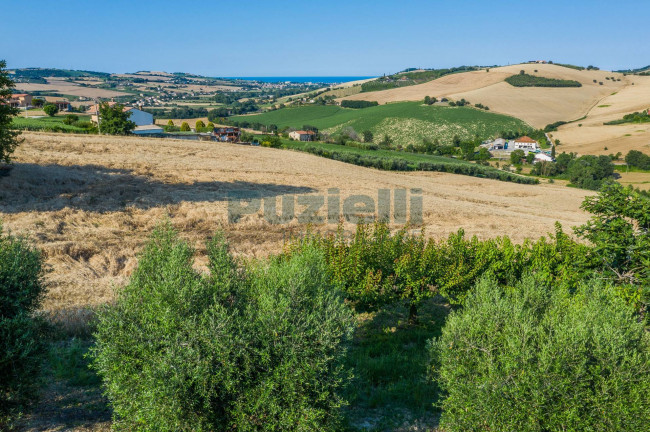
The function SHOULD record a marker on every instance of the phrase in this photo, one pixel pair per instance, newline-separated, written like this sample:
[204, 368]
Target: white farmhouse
[525, 143]
[302, 135]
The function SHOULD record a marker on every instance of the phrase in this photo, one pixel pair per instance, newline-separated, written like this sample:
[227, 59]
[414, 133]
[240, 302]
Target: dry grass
[593, 136]
[69, 88]
[537, 106]
[90, 203]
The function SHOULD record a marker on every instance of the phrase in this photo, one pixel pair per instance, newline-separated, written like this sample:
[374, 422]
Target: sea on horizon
[305, 79]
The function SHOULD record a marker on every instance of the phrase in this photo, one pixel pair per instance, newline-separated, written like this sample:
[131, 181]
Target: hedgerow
[396, 164]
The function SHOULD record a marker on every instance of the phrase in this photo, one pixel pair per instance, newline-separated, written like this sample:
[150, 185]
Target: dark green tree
[51, 109]
[530, 157]
[8, 137]
[368, 136]
[516, 157]
[114, 120]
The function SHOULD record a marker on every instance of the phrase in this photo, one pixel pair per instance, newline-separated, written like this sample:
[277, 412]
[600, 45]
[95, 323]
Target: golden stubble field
[91, 202]
[535, 105]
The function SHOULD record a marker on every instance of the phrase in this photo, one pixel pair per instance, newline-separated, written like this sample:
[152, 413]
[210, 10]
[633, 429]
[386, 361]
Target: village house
[20, 100]
[61, 104]
[227, 134]
[302, 135]
[525, 143]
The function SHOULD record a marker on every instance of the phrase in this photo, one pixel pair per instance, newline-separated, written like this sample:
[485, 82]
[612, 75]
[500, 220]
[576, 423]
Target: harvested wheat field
[69, 88]
[592, 136]
[536, 105]
[90, 202]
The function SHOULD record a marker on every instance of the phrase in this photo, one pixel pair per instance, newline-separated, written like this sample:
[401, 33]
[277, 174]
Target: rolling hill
[406, 122]
[537, 106]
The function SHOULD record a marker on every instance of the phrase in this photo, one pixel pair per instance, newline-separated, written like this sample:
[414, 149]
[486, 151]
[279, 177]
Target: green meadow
[405, 122]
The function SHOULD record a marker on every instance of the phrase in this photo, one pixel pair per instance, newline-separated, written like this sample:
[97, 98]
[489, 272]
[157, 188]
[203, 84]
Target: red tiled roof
[306, 132]
[525, 139]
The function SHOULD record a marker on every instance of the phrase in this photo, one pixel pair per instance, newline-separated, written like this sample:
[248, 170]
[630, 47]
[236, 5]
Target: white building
[524, 143]
[542, 157]
[302, 135]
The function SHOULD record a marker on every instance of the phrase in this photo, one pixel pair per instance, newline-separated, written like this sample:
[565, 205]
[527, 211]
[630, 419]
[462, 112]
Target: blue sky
[320, 38]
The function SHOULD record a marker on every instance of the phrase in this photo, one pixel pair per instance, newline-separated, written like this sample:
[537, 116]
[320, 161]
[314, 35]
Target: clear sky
[319, 38]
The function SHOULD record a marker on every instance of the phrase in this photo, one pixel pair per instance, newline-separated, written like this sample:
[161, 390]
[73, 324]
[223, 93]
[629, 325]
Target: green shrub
[525, 80]
[233, 350]
[535, 358]
[22, 343]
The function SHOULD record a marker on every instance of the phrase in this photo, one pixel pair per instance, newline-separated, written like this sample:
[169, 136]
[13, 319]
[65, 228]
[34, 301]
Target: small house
[498, 144]
[302, 135]
[227, 134]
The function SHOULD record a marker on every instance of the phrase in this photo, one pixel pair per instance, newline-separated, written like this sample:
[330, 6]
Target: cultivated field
[90, 202]
[537, 106]
[593, 136]
[69, 88]
[406, 122]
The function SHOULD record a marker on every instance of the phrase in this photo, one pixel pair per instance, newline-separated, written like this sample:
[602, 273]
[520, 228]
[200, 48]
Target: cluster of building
[26, 101]
[525, 143]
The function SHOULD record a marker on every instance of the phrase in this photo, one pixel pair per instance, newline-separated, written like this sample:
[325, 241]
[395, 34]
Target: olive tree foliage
[246, 349]
[619, 232]
[540, 358]
[22, 341]
[9, 138]
[50, 109]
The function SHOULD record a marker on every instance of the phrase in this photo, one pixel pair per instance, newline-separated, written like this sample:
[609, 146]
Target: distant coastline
[305, 79]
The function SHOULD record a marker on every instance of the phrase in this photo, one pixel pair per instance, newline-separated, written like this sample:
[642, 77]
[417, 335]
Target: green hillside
[405, 122]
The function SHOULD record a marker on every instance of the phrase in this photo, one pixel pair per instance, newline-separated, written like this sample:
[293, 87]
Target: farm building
[227, 134]
[150, 129]
[541, 157]
[21, 100]
[498, 144]
[302, 135]
[139, 117]
[61, 104]
[525, 143]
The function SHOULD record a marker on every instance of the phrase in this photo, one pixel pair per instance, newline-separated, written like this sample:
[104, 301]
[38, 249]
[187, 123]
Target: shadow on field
[32, 187]
[390, 363]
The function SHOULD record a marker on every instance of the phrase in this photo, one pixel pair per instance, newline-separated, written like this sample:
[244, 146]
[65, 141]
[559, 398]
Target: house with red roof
[525, 143]
[302, 135]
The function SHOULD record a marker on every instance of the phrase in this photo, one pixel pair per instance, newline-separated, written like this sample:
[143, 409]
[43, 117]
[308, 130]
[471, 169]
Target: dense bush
[376, 267]
[21, 332]
[525, 80]
[637, 117]
[536, 358]
[636, 159]
[233, 350]
[358, 104]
